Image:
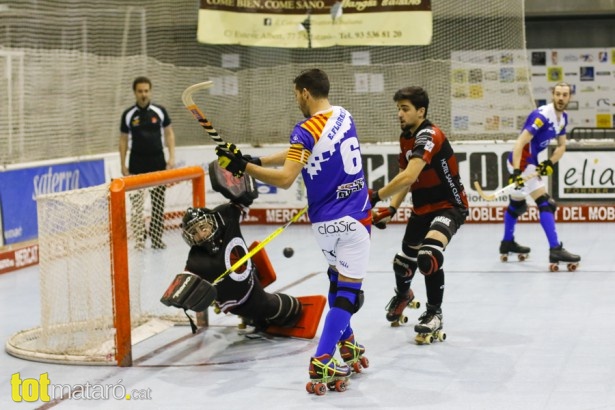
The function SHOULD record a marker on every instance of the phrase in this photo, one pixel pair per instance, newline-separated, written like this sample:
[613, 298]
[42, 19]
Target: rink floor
[518, 336]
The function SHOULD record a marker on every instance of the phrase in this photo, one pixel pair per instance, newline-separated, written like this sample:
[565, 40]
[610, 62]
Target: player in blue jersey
[325, 149]
[545, 123]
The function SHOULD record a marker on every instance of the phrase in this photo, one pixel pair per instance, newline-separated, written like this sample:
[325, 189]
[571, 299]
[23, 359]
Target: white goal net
[79, 285]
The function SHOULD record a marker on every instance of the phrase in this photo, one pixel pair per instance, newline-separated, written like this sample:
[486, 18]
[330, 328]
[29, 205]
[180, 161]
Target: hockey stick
[501, 191]
[260, 246]
[197, 113]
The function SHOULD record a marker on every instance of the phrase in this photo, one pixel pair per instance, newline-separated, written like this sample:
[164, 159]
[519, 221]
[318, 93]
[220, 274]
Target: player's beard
[560, 106]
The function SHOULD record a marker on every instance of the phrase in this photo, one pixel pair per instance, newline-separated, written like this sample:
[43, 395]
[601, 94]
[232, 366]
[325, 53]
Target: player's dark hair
[315, 81]
[416, 95]
[140, 80]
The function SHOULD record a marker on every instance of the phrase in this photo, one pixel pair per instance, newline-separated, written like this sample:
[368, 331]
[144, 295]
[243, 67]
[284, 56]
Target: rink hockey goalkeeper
[216, 243]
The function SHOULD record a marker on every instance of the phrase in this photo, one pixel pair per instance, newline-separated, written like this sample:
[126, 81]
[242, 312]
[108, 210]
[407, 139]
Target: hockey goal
[104, 264]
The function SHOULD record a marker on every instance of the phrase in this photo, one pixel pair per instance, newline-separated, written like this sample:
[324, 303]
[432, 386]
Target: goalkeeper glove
[517, 179]
[382, 217]
[545, 168]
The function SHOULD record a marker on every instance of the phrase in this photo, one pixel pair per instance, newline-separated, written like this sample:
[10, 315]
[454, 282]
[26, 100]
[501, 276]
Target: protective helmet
[202, 227]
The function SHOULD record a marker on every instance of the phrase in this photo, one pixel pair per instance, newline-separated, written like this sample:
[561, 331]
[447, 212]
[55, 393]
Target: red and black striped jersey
[438, 186]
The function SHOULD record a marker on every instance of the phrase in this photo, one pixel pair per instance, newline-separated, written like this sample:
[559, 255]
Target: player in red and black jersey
[428, 169]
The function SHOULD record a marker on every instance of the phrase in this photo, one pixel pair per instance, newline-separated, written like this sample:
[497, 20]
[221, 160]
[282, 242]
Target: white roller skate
[559, 254]
[429, 327]
[352, 353]
[396, 306]
[325, 372]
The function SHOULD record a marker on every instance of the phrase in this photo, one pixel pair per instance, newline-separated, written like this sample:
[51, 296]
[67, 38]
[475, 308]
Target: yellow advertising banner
[315, 23]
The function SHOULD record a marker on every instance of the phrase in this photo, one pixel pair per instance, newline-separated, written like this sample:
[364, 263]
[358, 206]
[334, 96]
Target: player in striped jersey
[427, 168]
[325, 149]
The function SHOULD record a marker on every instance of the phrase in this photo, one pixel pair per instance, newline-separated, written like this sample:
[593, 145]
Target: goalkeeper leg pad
[264, 268]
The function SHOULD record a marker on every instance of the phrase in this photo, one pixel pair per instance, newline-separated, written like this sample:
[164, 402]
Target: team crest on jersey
[235, 250]
[537, 124]
[135, 121]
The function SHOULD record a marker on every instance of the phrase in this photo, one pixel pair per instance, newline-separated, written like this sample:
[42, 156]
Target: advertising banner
[590, 72]
[19, 188]
[315, 23]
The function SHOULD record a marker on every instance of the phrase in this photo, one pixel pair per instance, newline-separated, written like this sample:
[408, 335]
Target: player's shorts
[345, 243]
[531, 185]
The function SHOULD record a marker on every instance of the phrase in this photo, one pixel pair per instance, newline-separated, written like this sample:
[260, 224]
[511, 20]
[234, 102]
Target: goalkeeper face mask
[202, 227]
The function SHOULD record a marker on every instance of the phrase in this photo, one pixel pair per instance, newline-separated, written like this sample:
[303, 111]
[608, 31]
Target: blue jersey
[328, 146]
[543, 124]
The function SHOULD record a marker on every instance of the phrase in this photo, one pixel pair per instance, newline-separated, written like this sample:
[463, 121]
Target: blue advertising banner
[19, 188]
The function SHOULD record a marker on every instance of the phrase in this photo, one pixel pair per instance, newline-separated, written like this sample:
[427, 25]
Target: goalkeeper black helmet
[203, 227]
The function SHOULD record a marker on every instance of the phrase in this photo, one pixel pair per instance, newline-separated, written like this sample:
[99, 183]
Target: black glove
[381, 218]
[231, 159]
[374, 198]
[545, 168]
[253, 160]
[516, 179]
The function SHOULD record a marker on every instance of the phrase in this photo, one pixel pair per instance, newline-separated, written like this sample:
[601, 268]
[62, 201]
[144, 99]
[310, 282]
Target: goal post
[100, 282]
[119, 242]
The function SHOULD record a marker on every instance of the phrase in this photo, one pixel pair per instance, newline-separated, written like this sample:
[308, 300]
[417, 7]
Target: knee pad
[342, 302]
[546, 203]
[516, 208]
[404, 266]
[288, 313]
[430, 257]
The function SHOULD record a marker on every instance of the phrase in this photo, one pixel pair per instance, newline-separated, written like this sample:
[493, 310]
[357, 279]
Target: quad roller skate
[429, 327]
[508, 247]
[326, 372]
[352, 353]
[559, 254]
[396, 307]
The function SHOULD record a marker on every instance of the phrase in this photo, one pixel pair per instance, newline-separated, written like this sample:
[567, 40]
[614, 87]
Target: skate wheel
[521, 257]
[320, 389]
[364, 362]
[423, 339]
[403, 320]
[441, 336]
[572, 267]
[553, 267]
[340, 385]
[356, 367]
[504, 258]
[309, 387]
[415, 304]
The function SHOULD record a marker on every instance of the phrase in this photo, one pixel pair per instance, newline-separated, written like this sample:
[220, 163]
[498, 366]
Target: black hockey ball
[288, 252]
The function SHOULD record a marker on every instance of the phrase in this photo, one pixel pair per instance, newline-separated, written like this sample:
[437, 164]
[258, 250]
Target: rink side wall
[583, 186]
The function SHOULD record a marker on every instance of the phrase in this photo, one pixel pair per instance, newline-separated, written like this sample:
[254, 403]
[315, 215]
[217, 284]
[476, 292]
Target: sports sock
[547, 221]
[509, 227]
[337, 321]
[434, 286]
